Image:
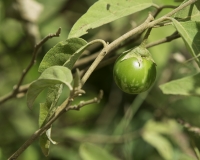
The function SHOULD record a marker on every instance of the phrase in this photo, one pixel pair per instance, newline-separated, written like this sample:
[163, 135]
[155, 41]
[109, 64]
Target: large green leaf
[61, 52]
[156, 133]
[190, 32]
[159, 142]
[189, 86]
[191, 12]
[167, 127]
[105, 11]
[90, 151]
[153, 134]
[51, 76]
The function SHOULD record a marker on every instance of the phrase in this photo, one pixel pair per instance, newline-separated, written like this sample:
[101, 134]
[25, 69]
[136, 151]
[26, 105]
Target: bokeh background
[127, 127]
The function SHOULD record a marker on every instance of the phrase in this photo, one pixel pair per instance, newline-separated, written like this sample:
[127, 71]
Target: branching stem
[18, 88]
[107, 49]
[33, 60]
[147, 24]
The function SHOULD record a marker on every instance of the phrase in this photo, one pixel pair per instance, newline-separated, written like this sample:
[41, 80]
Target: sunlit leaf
[61, 52]
[189, 86]
[51, 76]
[189, 31]
[105, 11]
[160, 127]
[191, 12]
[159, 142]
[90, 151]
[197, 152]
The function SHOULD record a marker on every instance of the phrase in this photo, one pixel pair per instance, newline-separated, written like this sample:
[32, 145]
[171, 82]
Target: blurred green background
[127, 127]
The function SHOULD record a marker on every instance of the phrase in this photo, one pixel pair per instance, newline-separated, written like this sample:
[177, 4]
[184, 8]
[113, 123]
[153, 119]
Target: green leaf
[77, 79]
[43, 113]
[190, 12]
[44, 144]
[47, 109]
[43, 140]
[90, 151]
[51, 76]
[189, 31]
[167, 127]
[159, 142]
[105, 11]
[73, 58]
[64, 53]
[197, 152]
[61, 52]
[189, 86]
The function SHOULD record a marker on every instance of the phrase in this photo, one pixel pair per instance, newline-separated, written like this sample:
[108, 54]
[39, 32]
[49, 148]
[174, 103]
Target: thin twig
[65, 106]
[93, 56]
[147, 24]
[159, 9]
[84, 103]
[189, 127]
[33, 60]
[112, 46]
[170, 38]
[153, 23]
[22, 89]
[18, 87]
[83, 61]
[40, 131]
[79, 63]
[167, 39]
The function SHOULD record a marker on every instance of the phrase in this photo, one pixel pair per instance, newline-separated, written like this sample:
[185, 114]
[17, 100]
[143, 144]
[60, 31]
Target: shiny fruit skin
[134, 75]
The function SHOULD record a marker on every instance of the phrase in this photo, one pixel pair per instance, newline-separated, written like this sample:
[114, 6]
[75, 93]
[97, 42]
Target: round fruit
[134, 73]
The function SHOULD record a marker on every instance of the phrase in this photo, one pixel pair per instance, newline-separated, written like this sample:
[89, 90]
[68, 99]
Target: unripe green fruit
[134, 73]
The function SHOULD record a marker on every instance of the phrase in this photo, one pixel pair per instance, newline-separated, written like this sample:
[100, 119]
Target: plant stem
[41, 130]
[33, 60]
[65, 106]
[107, 49]
[112, 46]
[18, 88]
[174, 36]
[147, 24]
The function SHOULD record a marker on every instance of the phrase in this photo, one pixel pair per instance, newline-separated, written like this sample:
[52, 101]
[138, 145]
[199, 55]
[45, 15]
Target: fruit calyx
[138, 52]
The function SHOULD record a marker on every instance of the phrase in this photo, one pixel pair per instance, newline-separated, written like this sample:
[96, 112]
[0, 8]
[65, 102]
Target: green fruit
[135, 71]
